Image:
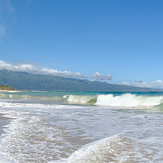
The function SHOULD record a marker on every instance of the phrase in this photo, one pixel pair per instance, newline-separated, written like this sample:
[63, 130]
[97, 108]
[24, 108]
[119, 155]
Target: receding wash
[81, 127]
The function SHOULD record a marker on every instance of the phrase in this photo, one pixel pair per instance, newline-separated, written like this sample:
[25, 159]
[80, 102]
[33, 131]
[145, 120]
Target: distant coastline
[5, 88]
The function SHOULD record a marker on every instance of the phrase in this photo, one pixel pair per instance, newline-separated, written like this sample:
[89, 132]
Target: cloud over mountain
[35, 69]
[158, 84]
[98, 76]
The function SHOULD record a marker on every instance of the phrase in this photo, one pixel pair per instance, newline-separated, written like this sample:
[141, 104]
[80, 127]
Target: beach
[81, 127]
[10, 90]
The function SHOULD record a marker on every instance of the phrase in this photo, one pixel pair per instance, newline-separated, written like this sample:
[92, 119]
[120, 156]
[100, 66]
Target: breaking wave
[124, 100]
[80, 99]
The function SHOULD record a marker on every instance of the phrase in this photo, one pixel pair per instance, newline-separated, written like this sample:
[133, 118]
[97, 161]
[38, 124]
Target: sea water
[81, 127]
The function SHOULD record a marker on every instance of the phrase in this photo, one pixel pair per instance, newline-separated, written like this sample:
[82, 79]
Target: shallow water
[81, 127]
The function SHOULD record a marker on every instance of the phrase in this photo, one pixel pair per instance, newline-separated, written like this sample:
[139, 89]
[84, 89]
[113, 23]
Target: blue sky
[118, 41]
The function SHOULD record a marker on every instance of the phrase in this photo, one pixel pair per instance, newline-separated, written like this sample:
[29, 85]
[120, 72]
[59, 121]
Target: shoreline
[10, 91]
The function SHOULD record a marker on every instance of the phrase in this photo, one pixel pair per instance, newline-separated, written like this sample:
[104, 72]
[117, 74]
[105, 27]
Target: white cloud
[34, 69]
[55, 72]
[125, 83]
[140, 83]
[158, 84]
[98, 76]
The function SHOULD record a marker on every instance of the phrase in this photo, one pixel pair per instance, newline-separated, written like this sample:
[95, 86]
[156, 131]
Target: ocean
[81, 127]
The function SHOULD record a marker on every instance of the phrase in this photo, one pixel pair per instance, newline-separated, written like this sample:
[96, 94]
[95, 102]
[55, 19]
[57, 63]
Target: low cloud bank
[98, 76]
[158, 84]
[35, 69]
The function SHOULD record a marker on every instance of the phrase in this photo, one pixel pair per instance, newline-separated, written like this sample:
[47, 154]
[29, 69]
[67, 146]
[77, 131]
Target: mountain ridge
[26, 81]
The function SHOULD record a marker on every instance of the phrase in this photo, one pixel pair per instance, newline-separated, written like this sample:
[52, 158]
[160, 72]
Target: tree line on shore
[5, 87]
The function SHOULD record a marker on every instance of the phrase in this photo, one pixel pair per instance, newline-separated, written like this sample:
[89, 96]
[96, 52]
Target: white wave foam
[124, 100]
[128, 100]
[27, 105]
[98, 151]
[30, 139]
[116, 149]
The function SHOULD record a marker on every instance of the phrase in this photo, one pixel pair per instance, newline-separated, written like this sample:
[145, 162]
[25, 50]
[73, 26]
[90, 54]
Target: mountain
[26, 81]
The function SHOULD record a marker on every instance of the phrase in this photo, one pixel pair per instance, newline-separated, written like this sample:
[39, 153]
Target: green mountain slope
[26, 81]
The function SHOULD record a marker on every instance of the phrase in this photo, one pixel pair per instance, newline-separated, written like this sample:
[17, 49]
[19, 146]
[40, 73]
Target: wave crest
[124, 100]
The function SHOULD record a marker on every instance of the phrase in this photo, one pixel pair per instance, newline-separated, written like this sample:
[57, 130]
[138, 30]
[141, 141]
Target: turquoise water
[81, 127]
[61, 93]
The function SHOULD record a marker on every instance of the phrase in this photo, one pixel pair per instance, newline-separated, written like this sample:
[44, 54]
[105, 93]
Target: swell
[14, 96]
[29, 97]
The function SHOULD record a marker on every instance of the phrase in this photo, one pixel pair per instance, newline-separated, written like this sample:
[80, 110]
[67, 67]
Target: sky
[115, 41]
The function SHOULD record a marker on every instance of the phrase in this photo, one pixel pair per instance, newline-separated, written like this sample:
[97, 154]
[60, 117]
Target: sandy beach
[10, 91]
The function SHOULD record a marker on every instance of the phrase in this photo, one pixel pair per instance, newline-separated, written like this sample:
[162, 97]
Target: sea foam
[124, 100]
[116, 148]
